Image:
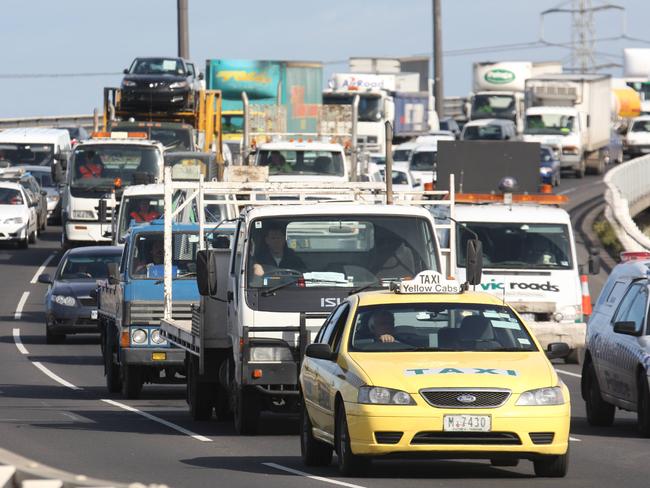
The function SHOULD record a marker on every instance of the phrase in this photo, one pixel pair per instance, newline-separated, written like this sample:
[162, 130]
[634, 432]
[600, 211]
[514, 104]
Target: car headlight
[542, 396]
[545, 170]
[53, 198]
[65, 300]
[138, 336]
[157, 338]
[83, 214]
[128, 83]
[14, 220]
[377, 395]
[270, 353]
[179, 84]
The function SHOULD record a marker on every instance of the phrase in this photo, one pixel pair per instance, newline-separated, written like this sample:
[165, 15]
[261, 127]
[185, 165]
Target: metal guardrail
[86, 121]
[627, 194]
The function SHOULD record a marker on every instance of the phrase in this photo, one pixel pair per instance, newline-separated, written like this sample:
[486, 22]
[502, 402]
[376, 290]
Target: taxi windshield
[457, 327]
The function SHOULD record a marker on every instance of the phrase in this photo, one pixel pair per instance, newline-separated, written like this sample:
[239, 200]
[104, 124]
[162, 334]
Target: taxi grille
[465, 398]
[482, 438]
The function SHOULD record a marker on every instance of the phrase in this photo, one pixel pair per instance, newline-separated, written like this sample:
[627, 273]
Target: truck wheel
[349, 463]
[643, 406]
[313, 451]
[580, 172]
[131, 381]
[65, 243]
[32, 237]
[552, 466]
[221, 404]
[599, 412]
[111, 370]
[247, 411]
[200, 395]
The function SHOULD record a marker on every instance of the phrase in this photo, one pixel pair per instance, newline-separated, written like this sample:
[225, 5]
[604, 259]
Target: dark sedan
[69, 305]
[549, 166]
[160, 84]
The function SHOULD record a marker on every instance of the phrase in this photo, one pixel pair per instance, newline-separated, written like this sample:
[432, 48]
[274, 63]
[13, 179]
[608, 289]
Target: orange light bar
[429, 186]
[95, 135]
[627, 256]
[119, 135]
[137, 135]
[542, 199]
[125, 340]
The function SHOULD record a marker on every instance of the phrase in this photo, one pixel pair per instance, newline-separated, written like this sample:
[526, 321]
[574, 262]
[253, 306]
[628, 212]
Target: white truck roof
[482, 122]
[339, 210]
[300, 146]
[120, 142]
[501, 212]
[551, 109]
[137, 190]
[35, 135]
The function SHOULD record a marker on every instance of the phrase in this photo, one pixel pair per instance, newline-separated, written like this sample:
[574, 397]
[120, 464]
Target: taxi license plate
[93, 314]
[467, 423]
[158, 356]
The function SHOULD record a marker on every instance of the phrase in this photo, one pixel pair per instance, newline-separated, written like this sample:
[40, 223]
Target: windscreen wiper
[371, 284]
[177, 277]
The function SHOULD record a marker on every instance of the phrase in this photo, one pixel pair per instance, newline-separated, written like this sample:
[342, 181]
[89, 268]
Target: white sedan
[18, 219]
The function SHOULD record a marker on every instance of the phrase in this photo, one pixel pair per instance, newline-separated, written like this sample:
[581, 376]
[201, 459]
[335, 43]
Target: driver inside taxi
[275, 254]
[382, 326]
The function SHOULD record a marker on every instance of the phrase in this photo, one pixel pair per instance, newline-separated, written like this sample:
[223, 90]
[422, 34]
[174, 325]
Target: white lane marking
[40, 270]
[310, 476]
[19, 343]
[157, 419]
[566, 192]
[569, 373]
[21, 305]
[56, 378]
[574, 439]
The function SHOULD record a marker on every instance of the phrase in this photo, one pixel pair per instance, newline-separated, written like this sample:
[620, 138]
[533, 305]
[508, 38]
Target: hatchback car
[38, 196]
[160, 84]
[70, 307]
[43, 176]
[18, 218]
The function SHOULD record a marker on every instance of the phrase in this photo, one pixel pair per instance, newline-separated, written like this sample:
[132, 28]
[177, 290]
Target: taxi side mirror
[557, 350]
[319, 351]
[474, 261]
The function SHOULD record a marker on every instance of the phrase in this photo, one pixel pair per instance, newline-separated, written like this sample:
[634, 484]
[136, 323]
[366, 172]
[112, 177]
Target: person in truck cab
[277, 163]
[92, 167]
[155, 257]
[144, 213]
[274, 253]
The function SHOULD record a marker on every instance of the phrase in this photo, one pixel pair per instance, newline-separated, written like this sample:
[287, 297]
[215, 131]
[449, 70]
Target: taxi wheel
[349, 463]
[552, 466]
[643, 407]
[247, 411]
[313, 451]
[132, 381]
[599, 412]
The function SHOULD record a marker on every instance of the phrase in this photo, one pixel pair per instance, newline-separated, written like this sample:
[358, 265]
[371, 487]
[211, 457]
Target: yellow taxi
[429, 369]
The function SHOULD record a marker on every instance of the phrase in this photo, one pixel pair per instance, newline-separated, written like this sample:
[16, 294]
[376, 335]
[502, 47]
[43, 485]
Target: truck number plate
[467, 423]
[93, 314]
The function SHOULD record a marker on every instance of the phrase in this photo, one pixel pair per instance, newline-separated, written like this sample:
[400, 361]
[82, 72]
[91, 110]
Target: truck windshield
[519, 245]
[423, 160]
[370, 109]
[553, 124]
[27, 154]
[173, 139]
[498, 106]
[293, 163]
[148, 254]
[327, 252]
[99, 166]
[138, 209]
[438, 327]
[401, 155]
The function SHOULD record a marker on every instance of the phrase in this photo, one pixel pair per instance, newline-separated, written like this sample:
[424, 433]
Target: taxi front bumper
[517, 432]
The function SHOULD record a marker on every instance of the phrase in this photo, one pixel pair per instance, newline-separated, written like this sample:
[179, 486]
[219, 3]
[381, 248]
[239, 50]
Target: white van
[34, 146]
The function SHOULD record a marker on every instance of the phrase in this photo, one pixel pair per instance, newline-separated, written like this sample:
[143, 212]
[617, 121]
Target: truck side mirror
[113, 273]
[57, 172]
[594, 262]
[201, 76]
[474, 261]
[206, 273]
[102, 211]
[125, 71]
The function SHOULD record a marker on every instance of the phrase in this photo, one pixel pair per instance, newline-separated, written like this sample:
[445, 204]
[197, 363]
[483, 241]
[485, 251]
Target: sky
[93, 36]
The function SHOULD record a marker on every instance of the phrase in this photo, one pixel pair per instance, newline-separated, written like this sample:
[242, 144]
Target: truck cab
[100, 169]
[131, 306]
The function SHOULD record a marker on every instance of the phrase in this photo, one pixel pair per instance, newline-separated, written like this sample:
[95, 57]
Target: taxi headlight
[270, 353]
[65, 300]
[377, 395]
[157, 338]
[542, 396]
[139, 336]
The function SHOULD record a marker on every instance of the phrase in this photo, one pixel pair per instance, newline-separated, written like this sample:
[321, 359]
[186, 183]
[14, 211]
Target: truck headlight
[53, 198]
[14, 220]
[138, 336]
[570, 150]
[377, 395]
[65, 300]
[542, 396]
[270, 353]
[83, 214]
[179, 84]
[157, 338]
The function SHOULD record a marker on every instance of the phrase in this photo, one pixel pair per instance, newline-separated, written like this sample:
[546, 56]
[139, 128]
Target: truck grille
[152, 312]
[465, 398]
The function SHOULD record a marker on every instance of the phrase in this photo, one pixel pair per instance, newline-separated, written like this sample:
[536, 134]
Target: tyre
[65, 243]
[32, 237]
[52, 337]
[580, 172]
[643, 406]
[111, 370]
[313, 451]
[247, 411]
[599, 412]
[349, 463]
[24, 243]
[200, 396]
[552, 466]
[132, 381]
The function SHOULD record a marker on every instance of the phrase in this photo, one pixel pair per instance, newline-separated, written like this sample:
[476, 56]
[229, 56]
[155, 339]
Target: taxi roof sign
[429, 281]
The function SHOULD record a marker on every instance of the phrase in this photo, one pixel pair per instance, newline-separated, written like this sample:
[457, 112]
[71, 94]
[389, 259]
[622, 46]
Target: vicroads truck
[572, 114]
[499, 89]
[291, 262]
